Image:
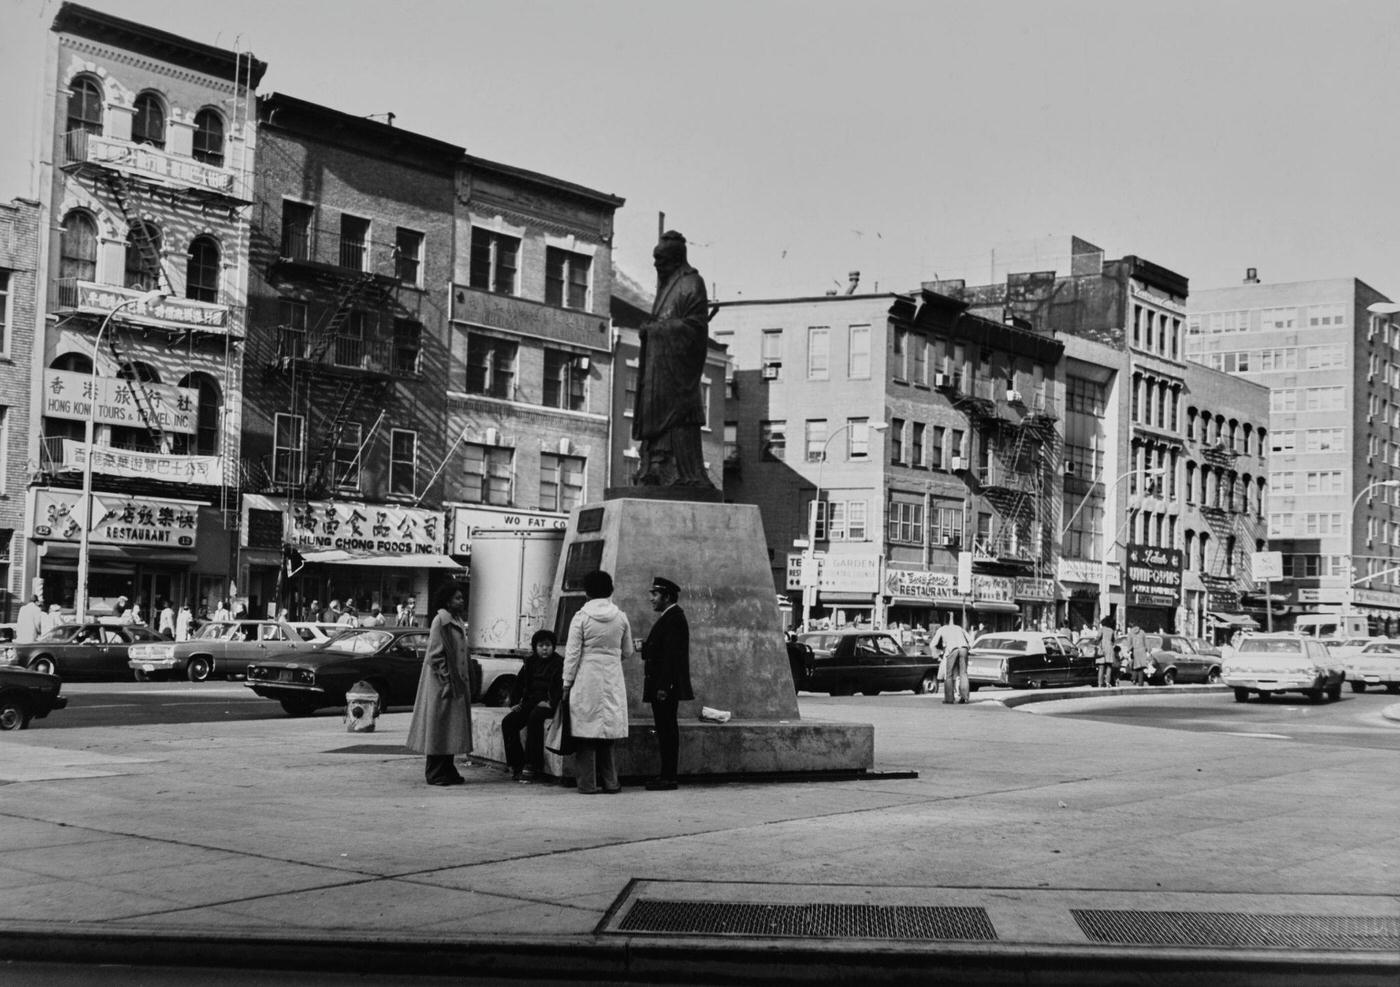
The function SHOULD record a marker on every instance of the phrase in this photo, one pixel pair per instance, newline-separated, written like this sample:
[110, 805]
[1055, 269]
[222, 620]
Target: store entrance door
[155, 586]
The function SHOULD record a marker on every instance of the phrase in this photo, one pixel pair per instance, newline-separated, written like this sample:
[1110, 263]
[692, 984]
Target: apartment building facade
[19, 306]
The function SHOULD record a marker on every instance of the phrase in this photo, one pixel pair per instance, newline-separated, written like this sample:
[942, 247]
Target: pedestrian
[31, 620]
[165, 626]
[1106, 660]
[533, 699]
[53, 618]
[666, 677]
[1137, 653]
[441, 727]
[1229, 650]
[313, 612]
[222, 612]
[347, 617]
[951, 643]
[119, 609]
[182, 622]
[600, 638]
[374, 619]
[136, 615]
[331, 615]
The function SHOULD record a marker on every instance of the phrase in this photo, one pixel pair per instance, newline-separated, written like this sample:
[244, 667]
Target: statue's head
[669, 254]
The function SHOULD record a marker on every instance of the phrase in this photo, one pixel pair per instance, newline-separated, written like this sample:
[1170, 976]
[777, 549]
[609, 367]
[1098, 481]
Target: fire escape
[1216, 571]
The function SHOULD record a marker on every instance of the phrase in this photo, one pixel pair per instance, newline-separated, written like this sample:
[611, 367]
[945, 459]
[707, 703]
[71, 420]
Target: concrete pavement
[1029, 849]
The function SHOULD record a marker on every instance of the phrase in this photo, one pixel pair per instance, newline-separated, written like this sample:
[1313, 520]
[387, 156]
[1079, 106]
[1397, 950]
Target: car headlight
[7, 656]
[305, 676]
[256, 672]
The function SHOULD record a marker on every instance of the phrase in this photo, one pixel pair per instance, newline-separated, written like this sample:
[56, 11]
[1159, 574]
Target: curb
[1392, 712]
[1012, 700]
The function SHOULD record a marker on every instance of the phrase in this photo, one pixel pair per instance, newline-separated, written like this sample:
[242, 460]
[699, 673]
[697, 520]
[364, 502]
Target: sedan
[1028, 659]
[223, 647]
[26, 695]
[842, 662]
[1376, 664]
[1269, 663]
[303, 681]
[1177, 660]
[91, 650]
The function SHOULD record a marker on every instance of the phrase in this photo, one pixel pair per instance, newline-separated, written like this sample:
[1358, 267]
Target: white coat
[600, 637]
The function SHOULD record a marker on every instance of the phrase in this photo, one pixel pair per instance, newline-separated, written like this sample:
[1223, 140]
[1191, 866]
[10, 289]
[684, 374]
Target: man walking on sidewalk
[666, 677]
[952, 643]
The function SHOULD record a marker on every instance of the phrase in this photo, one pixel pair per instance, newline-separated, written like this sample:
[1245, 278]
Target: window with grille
[561, 482]
[564, 380]
[408, 257]
[349, 346]
[403, 462]
[491, 366]
[408, 346]
[566, 278]
[297, 219]
[85, 105]
[487, 474]
[148, 122]
[354, 243]
[288, 448]
[202, 270]
[494, 261]
[209, 137]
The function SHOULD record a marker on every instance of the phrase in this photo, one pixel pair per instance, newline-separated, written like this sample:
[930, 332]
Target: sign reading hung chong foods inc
[365, 529]
[1153, 578]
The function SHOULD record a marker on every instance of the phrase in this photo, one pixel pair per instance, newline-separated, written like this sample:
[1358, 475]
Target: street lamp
[1113, 542]
[1348, 579]
[809, 560]
[80, 603]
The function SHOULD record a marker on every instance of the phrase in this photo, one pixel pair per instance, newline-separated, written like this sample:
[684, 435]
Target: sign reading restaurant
[366, 529]
[71, 396]
[119, 520]
[1153, 576]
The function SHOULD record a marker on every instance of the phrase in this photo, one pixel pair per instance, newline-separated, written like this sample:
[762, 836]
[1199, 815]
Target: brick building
[19, 296]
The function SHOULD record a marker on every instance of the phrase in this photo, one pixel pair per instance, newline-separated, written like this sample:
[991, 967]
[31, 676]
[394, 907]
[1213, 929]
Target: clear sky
[793, 142]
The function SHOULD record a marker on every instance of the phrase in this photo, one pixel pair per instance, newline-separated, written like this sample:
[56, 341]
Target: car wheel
[1214, 677]
[1241, 695]
[1358, 687]
[297, 707]
[141, 676]
[14, 714]
[1334, 692]
[870, 692]
[499, 693]
[198, 669]
[1315, 695]
[927, 686]
[1393, 687]
[1039, 684]
[843, 688]
[1169, 677]
[44, 663]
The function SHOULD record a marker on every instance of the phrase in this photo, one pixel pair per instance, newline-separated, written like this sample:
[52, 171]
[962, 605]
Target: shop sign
[1377, 598]
[152, 161]
[468, 520]
[144, 465]
[120, 520]
[920, 585]
[1221, 594]
[849, 574]
[1031, 588]
[69, 395]
[177, 313]
[370, 529]
[1083, 571]
[1153, 576]
[994, 589]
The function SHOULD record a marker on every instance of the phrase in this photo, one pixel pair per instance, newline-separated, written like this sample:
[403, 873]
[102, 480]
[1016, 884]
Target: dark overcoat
[666, 657]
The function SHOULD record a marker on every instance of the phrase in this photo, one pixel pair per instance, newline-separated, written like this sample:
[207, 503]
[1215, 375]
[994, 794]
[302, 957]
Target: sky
[795, 142]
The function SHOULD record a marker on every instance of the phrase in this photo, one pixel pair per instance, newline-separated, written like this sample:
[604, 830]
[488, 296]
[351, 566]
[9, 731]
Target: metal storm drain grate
[817, 921]
[1239, 929]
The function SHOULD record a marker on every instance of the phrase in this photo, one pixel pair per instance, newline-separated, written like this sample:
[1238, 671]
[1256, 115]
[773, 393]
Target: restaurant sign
[1035, 590]
[468, 520]
[1153, 576]
[70, 395]
[119, 520]
[917, 584]
[994, 589]
[364, 529]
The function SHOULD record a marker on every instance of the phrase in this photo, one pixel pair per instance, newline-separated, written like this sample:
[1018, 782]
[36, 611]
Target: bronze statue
[669, 411]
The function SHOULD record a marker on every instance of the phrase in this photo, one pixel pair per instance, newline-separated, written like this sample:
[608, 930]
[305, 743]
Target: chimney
[1251, 275]
[855, 280]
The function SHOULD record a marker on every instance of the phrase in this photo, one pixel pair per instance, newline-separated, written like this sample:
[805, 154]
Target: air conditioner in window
[771, 370]
[942, 380]
[950, 541]
[1013, 396]
[1069, 469]
[564, 446]
[582, 363]
[493, 437]
[956, 464]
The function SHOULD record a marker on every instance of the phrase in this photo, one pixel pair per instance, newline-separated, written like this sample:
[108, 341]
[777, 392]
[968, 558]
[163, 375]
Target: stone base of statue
[718, 555]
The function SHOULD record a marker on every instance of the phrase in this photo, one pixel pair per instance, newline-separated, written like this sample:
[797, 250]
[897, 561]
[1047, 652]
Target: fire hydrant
[361, 708]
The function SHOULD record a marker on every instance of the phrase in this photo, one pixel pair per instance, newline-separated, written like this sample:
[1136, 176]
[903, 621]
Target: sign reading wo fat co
[1153, 578]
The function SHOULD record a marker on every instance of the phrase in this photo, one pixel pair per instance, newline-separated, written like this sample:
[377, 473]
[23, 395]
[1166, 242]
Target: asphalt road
[1353, 721]
[102, 704]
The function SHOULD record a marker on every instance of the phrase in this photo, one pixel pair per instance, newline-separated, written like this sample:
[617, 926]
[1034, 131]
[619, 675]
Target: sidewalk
[1030, 849]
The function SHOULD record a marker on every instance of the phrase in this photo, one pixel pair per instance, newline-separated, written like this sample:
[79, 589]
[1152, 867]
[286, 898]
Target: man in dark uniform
[666, 677]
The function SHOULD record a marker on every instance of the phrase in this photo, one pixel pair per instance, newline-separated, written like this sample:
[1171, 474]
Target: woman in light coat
[1138, 653]
[600, 637]
[441, 727]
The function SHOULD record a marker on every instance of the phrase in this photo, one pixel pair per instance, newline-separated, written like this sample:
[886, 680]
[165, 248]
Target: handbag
[558, 738]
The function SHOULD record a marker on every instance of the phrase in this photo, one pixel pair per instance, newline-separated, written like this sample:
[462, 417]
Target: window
[148, 123]
[858, 353]
[897, 440]
[1277, 318]
[345, 458]
[916, 445]
[202, 270]
[1084, 396]
[297, 218]
[957, 444]
[1283, 442]
[773, 440]
[408, 346]
[564, 379]
[490, 366]
[918, 350]
[205, 441]
[403, 462]
[354, 243]
[945, 522]
[859, 431]
[85, 105]
[935, 458]
[900, 341]
[209, 137]
[855, 520]
[408, 257]
[288, 448]
[772, 353]
[292, 317]
[815, 439]
[629, 389]
[818, 353]
[566, 278]
[4, 310]
[906, 523]
[731, 442]
[487, 477]
[561, 482]
[349, 350]
[78, 248]
[494, 259]
[143, 256]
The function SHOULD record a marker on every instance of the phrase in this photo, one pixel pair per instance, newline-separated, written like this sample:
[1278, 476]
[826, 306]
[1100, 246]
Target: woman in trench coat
[600, 637]
[441, 726]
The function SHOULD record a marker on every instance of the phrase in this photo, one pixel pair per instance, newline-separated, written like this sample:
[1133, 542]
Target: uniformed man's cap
[663, 585]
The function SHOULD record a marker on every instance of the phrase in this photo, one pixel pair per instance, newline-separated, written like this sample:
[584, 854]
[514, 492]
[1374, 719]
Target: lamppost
[809, 559]
[1349, 580]
[80, 602]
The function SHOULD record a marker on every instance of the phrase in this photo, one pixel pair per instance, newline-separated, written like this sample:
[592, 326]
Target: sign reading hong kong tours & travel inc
[371, 529]
[118, 520]
[1153, 576]
[69, 395]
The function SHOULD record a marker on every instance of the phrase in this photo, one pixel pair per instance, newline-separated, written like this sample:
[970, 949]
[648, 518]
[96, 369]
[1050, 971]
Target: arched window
[85, 105]
[77, 363]
[143, 256]
[148, 123]
[202, 270]
[205, 440]
[78, 247]
[138, 439]
[209, 137]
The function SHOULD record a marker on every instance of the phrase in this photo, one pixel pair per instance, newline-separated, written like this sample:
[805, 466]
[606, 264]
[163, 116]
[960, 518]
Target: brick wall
[19, 252]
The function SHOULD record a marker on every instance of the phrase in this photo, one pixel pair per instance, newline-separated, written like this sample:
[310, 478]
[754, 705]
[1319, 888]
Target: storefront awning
[1241, 620]
[341, 557]
[122, 553]
[995, 606]
[1192, 582]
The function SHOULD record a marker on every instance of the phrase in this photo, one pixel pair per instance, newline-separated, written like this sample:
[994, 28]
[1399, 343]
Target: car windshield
[994, 643]
[820, 642]
[1382, 648]
[212, 632]
[1274, 646]
[364, 642]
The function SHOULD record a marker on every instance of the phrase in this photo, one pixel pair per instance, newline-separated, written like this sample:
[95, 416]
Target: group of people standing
[586, 684]
[1135, 645]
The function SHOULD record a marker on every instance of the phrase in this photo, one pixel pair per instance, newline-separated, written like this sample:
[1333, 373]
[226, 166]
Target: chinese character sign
[70, 395]
[364, 529]
[117, 519]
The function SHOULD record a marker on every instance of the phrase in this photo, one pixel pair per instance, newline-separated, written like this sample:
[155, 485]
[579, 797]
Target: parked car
[1269, 663]
[493, 677]
[1376, 664]
[221, 648]
[1177, 660]
[1346, 647]
[1204, 647]
[26, 696]
[1028, 659]
[389, 658]
[316, 631]
[91, 650]
[870, 662]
